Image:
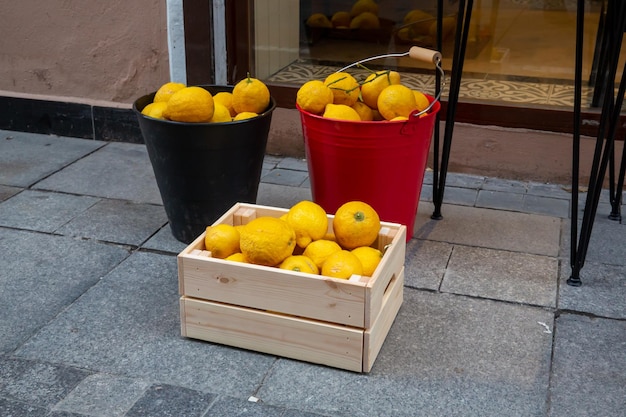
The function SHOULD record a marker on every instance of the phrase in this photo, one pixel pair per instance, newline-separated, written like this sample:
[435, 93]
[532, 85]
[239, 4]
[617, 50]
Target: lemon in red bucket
[421, 101]
[375, 83]
[396, 100]
[344, 86]
[355, 224]
[365, 112]
[341, 112]
[313, 96]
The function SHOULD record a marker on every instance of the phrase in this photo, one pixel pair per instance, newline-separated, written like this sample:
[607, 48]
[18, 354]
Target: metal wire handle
[422, 54]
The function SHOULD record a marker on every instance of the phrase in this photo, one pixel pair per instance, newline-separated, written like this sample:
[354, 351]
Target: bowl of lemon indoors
[206, 144]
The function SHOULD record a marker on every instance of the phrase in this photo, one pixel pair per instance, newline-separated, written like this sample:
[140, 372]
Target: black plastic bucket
[202, 169]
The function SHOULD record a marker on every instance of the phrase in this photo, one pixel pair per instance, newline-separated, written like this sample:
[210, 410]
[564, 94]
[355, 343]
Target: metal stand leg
[604, 150]
[460, 43]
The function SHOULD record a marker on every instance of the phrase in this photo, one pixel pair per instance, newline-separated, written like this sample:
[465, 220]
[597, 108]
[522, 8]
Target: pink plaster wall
[83, 50]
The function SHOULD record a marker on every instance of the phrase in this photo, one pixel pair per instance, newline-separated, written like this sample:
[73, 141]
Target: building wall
[83, 50]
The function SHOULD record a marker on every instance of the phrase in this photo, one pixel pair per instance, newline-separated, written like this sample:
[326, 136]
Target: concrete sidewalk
[90, 317]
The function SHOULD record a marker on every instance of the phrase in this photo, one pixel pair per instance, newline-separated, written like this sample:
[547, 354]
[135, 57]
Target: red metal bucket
[380, 163]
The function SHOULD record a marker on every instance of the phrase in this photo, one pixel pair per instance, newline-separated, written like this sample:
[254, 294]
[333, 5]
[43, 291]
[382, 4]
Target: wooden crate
[335, 322]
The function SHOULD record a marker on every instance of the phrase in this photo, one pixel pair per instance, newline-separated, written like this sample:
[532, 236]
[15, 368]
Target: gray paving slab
[287, 177]
[41, 275]
[495, 229]
[162, 400]
[445, 355]
[460, 196]
[26, 158]
[102, 395]
[550, 190]
[281, 196]
[501, 275]
[589, 371]
[7, 191]
[504, 185]
[555, 207]
[294, 164]
[19, 409]
[606, 244]
[164, 241]
[42, 210]
[129, 325]
[118, 170]
[225, 406]
[603, 290]
[36, 383]
[117, 221]
[425, 263]
[500, 200]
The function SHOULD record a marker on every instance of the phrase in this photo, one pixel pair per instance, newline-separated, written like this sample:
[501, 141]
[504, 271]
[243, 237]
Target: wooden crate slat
[291, 337]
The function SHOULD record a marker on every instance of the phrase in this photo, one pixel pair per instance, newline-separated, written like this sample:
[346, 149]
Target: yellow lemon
[421, 101]
[222, 240]
[342, 264]
[370, 258]
[361, 6]
[250, 95]
[344, 86]
[190, 104]
[237, 257]
[155, 110]
[166, 90]
[341, 112]
[375, 83]
[244, 115]
[220, 114]
[364, 111]
[396, 100]
[355, 224]
[299, 263]
[321, 249]
[225, 98]
[267, 241]
[313, 96]
[365, 20]
[309, 221]
[418, 22]
[399, 119]
[340, 19]
[318, 20]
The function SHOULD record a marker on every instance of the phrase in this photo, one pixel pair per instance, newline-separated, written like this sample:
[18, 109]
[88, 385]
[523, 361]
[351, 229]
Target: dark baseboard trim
[120, 125]
[69, 119]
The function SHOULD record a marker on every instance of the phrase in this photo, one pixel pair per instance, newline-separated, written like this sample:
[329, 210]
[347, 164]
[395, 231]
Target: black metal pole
[604, 150]
[460, 43]
[574, 279]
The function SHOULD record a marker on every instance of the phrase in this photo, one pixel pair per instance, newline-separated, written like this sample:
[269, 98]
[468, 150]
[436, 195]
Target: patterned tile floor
[485, 87]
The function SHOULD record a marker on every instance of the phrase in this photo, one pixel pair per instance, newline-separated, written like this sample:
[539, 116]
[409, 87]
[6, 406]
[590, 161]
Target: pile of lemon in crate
[180, 103]
[300, 240]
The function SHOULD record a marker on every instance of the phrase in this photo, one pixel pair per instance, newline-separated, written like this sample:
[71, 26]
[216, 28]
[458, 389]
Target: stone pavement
[488, 327]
